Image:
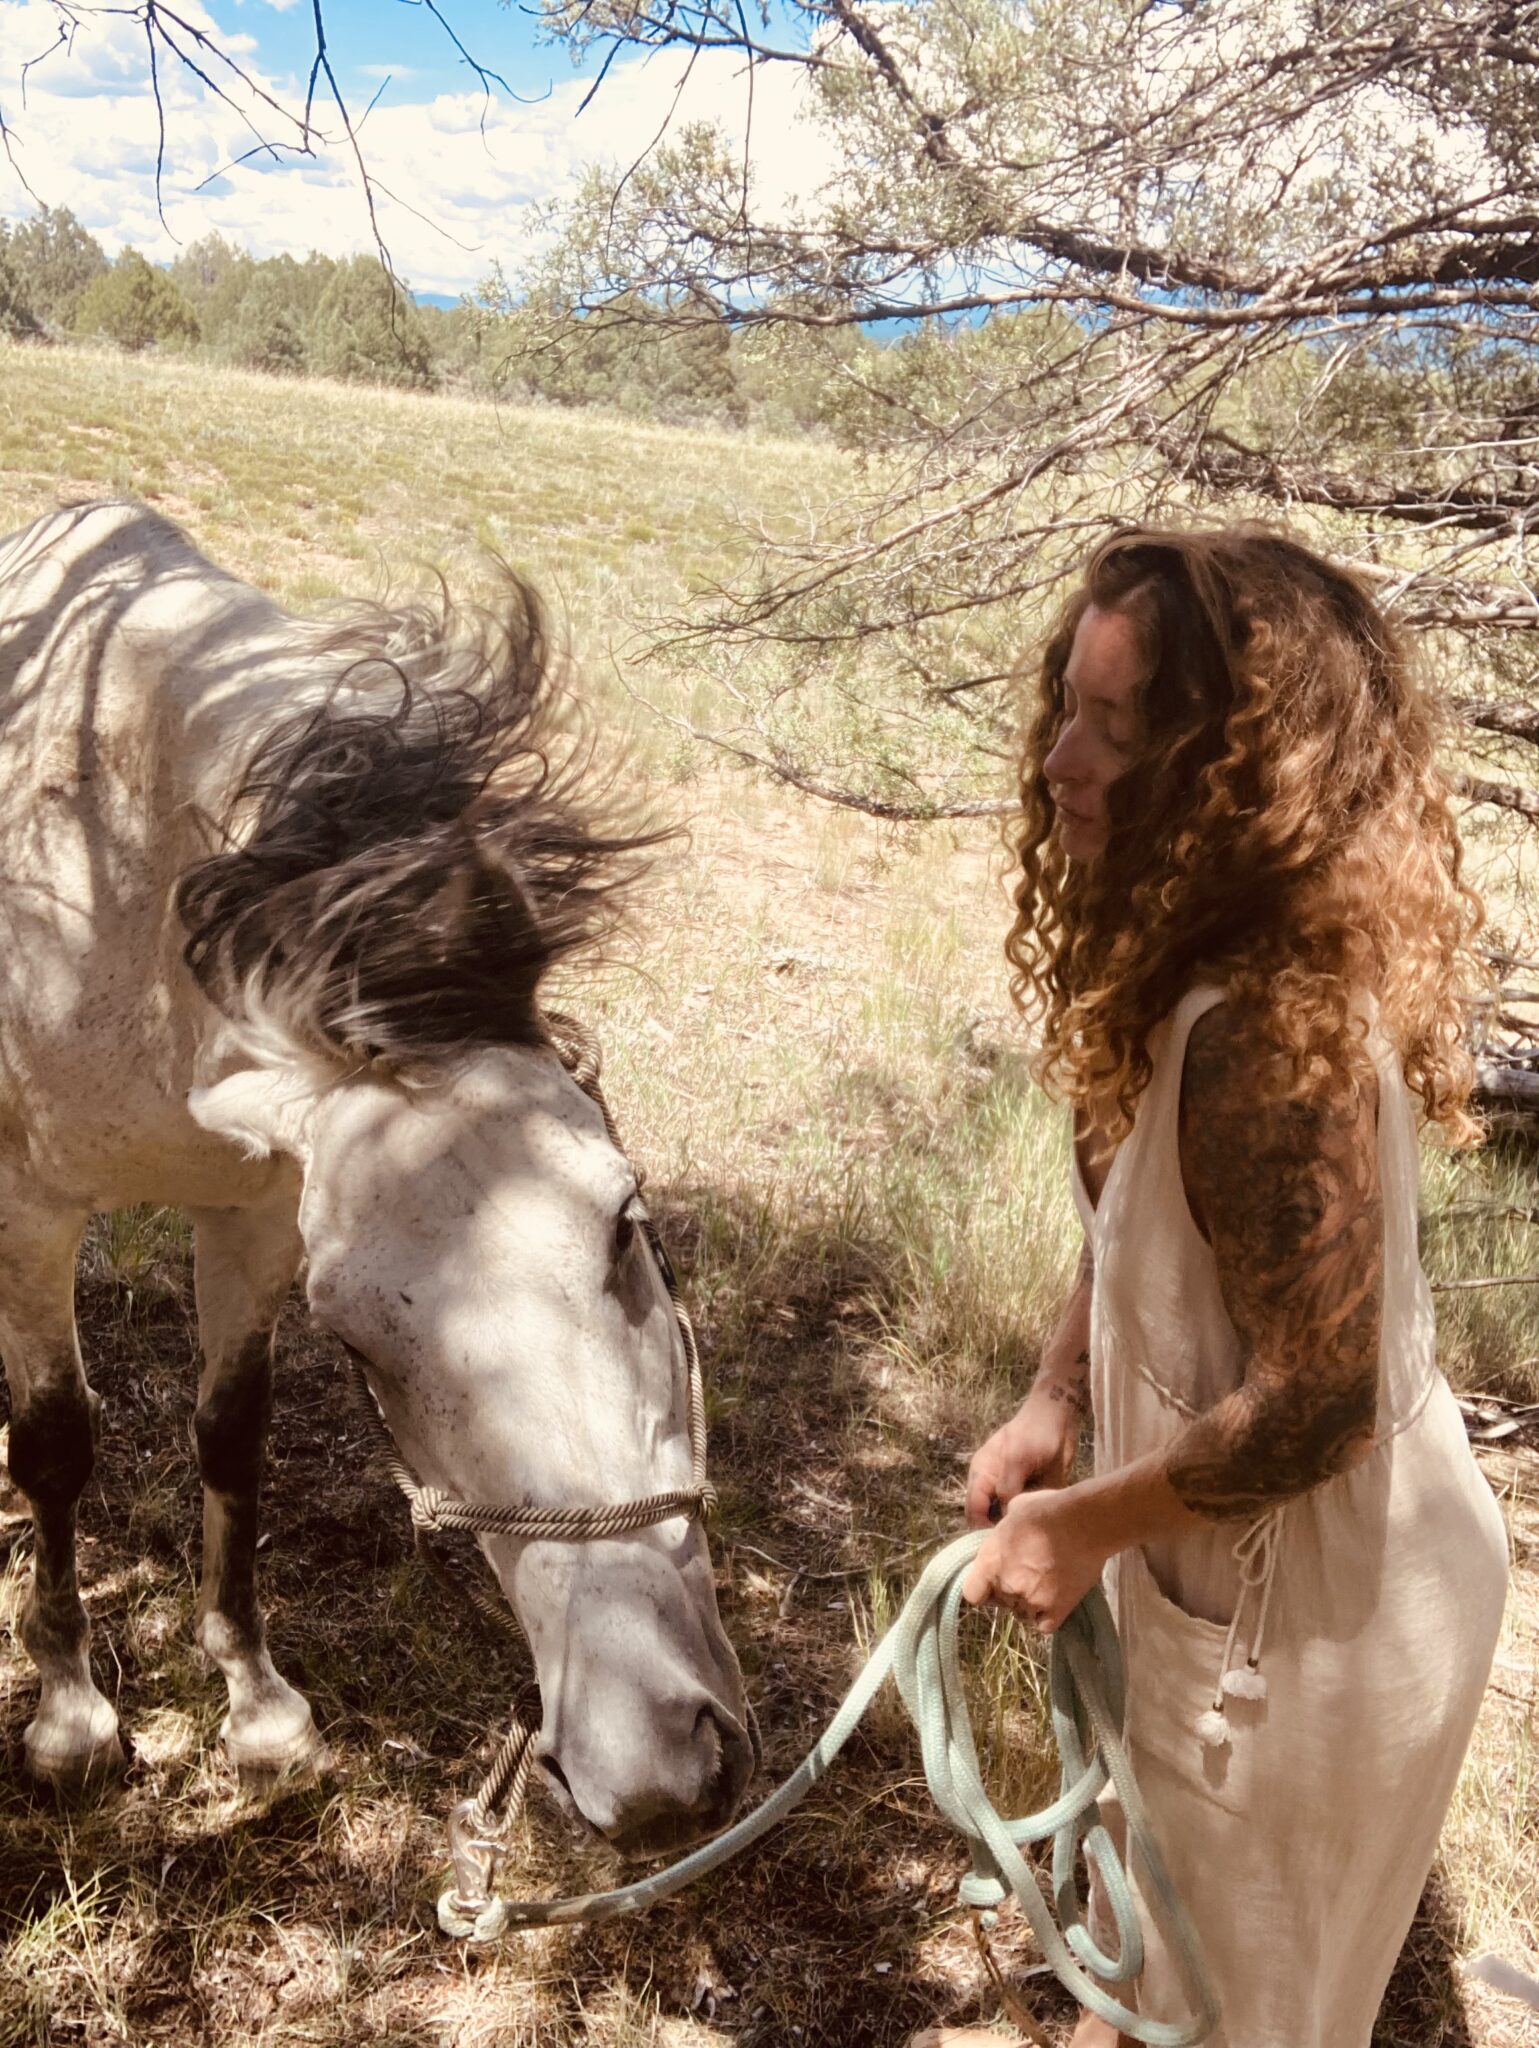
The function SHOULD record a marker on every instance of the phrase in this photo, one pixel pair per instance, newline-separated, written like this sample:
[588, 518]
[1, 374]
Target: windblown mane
[404, 862]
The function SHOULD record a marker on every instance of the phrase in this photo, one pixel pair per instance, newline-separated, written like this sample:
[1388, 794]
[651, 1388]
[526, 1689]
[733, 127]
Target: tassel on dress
[1247, 1683]
[1213, 1728]
[1256, 1556]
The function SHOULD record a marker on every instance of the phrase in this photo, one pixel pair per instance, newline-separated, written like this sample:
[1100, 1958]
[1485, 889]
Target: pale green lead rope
[1085, 1688]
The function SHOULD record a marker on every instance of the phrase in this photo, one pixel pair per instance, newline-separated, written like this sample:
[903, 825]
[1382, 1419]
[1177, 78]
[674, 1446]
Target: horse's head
[472, 1240]
[403, 863]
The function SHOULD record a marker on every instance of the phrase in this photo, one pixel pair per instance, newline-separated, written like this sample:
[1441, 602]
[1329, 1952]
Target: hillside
[813, 1054]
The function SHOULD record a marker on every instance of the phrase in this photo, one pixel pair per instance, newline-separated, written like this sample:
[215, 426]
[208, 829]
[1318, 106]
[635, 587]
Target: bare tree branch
[1518, 721]
[1507, 796]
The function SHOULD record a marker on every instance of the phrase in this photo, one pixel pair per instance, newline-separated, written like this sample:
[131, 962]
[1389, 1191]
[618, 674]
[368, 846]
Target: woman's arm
[1036, 1446]
[1287, 1193]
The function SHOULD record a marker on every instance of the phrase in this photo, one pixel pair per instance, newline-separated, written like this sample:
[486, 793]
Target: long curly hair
[1283, 831]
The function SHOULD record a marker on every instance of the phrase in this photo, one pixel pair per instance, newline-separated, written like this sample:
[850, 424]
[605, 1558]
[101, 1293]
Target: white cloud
[86, 138]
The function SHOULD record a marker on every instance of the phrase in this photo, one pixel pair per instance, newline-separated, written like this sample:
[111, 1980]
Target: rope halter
[478, 1827]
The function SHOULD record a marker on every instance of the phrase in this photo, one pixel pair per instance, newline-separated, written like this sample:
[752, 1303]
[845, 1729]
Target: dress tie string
[1255, 1554]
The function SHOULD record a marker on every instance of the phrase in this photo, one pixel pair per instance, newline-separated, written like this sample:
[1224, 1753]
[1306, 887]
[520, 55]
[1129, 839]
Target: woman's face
[1096, 740]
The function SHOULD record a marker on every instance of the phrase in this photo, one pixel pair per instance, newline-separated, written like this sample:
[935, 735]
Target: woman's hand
[1034, 1448]
[1039, 1561]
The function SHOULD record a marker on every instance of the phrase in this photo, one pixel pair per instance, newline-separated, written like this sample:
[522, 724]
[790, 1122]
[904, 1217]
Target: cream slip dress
[1301, 1690]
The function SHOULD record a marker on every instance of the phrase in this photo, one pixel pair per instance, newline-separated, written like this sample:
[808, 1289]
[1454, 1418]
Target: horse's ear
[482, 934]
[260, 1109]
[481, 900]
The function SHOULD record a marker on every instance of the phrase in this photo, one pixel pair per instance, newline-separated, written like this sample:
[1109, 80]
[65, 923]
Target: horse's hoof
[75, 1750]
[278, 1746]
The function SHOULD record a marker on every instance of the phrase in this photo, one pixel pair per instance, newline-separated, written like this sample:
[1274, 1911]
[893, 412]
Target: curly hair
[1283, 832]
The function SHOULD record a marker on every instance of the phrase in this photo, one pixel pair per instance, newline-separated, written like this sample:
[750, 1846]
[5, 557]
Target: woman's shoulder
[1250, 1119]
[1234, 1057]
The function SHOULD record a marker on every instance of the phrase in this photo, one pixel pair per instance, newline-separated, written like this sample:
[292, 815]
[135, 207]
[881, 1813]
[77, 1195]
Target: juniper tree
[1221, 257]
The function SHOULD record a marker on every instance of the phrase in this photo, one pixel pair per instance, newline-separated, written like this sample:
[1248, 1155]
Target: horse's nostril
[732, 1764]
[557, 1776]
[708, 1727]
[689, 1791]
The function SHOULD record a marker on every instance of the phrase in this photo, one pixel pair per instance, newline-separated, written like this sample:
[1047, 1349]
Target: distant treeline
[343, 318]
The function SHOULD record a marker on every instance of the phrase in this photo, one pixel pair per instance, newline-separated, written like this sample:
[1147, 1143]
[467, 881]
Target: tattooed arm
[1036, 1446]
[1288, 1196]
[1287, 1193]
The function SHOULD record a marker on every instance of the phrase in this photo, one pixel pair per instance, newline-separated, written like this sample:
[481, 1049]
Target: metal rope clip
[476, 1857]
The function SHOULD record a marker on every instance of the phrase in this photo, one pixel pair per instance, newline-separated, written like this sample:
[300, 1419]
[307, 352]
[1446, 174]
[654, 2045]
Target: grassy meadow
[810, 1048]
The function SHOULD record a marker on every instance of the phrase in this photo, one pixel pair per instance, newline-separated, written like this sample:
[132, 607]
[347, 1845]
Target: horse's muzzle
[708, 1782]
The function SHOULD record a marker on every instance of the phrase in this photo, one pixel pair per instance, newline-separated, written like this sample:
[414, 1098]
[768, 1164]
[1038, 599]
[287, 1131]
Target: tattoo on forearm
[1068, 1385]
[1288, 1194]
[1084, 1273]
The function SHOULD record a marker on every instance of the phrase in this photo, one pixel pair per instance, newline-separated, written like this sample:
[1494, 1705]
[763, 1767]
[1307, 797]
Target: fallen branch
[1512, 1086]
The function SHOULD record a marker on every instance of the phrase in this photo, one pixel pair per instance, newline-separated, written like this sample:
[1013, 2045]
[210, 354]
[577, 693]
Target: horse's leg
[244, 1262]
[74, 1736]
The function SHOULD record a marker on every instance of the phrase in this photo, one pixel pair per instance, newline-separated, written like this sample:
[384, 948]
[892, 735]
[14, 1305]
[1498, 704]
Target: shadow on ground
[172, 1914]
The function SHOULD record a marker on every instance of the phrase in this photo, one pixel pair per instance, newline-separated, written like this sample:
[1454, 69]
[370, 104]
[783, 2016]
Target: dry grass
[815, 1059]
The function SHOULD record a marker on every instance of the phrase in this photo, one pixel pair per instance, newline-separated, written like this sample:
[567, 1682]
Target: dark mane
[404, 861]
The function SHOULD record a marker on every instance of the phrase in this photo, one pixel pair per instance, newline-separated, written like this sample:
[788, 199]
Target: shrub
[136, 306]
[55, 260]
[366, 330]
[18, 322]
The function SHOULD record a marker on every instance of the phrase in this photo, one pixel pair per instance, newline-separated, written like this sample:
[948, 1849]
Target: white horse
[277, 898]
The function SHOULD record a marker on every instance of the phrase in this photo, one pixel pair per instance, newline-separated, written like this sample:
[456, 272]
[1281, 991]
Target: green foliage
[1124, 263]
[632, 360]
[462, 344]
[18, 322]
[211, 276]
[54, 260]
[136, 305]
[265, 329]
[649, 359]
[318, 316]
[366, 330]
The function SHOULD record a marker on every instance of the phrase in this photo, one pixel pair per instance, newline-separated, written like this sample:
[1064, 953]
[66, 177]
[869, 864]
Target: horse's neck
[134, 657]
[244, 667]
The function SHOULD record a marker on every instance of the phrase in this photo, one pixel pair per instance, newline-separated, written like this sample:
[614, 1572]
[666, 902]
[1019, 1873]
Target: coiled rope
[1085, 1692]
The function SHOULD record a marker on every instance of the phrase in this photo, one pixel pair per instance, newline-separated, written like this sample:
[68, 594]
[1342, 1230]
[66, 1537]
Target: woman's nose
[1063, 763]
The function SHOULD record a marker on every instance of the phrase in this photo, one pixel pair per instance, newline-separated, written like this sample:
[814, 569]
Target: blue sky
[370, 38]
[85, 136]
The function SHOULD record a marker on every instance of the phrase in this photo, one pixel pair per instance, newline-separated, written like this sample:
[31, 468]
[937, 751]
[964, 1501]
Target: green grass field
[811, 1049]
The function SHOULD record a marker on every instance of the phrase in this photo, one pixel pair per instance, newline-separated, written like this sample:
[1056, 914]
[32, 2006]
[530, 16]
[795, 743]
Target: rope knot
[427, 1506]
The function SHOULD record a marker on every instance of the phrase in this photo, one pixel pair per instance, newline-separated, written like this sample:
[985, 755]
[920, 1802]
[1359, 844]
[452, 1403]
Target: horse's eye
[625, 1231]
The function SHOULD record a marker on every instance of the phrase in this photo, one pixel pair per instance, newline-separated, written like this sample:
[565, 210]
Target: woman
[1242, 933]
